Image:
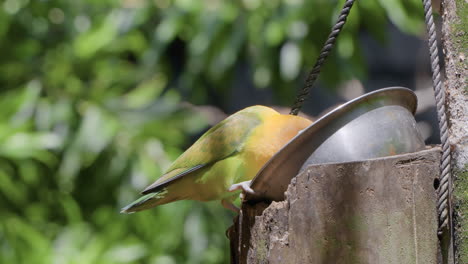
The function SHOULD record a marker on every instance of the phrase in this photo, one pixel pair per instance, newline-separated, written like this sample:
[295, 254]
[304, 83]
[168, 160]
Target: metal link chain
[439, 91]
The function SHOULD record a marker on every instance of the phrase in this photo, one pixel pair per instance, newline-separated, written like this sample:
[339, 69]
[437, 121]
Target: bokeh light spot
[82, 23]
[11, 6]
[290, 61]
[56, 16]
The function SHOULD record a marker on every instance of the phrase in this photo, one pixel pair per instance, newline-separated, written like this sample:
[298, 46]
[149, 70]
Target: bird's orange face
[269, 138]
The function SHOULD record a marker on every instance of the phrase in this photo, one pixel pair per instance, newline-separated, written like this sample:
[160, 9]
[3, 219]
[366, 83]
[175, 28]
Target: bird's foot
[244, 186]
[229, 205]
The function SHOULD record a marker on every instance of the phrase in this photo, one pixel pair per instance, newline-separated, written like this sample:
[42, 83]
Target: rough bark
[455, 47]
[373, 211]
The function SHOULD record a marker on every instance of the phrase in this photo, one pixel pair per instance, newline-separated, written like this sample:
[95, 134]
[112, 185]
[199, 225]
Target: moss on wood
[461, 209]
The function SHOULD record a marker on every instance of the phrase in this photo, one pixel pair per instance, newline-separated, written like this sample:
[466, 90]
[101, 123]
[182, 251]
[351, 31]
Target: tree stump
[373, 211]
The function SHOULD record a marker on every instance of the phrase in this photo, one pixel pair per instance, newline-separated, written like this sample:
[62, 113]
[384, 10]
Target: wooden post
[373, 211]
[455, 48]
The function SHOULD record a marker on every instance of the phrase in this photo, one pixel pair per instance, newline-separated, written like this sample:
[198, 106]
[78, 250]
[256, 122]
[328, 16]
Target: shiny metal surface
[376, 124]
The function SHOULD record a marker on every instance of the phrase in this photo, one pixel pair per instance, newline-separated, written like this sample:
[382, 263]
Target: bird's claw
[244, 186]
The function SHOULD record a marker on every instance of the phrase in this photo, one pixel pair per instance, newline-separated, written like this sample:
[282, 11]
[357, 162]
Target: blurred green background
[97, 99]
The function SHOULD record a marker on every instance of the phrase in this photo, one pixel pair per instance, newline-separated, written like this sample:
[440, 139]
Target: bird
[224, 159]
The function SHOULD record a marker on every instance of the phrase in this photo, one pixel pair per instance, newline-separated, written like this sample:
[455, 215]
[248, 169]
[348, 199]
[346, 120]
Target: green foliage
[90, 112]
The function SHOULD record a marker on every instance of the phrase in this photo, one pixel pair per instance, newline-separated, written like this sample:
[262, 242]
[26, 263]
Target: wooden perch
[373, 211]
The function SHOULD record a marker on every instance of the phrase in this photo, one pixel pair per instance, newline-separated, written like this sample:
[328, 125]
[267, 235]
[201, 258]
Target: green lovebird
[224, 159]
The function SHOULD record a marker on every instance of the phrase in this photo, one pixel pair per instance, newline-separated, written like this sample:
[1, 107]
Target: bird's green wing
[219, 142]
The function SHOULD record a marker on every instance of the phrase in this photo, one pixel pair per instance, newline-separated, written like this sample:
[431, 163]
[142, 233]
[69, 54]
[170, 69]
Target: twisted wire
[439, 91]
[313, 74]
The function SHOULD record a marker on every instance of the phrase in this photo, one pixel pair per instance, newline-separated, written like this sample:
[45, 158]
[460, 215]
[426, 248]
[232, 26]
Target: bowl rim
[412, 106]
[402, 95]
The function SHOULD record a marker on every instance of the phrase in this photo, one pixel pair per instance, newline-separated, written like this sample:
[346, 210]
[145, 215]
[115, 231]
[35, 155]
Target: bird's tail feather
[147, 201]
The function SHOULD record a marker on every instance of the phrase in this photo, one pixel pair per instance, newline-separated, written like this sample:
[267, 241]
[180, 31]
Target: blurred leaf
[399, 15]
[13, 192]
[89, 43]
[92, 108]
[146, 92]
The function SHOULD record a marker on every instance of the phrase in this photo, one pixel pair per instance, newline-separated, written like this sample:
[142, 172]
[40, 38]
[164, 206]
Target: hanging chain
[439, 91]
[322, 57]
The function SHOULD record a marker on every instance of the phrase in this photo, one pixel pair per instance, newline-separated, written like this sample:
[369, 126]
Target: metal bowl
[377, 124]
